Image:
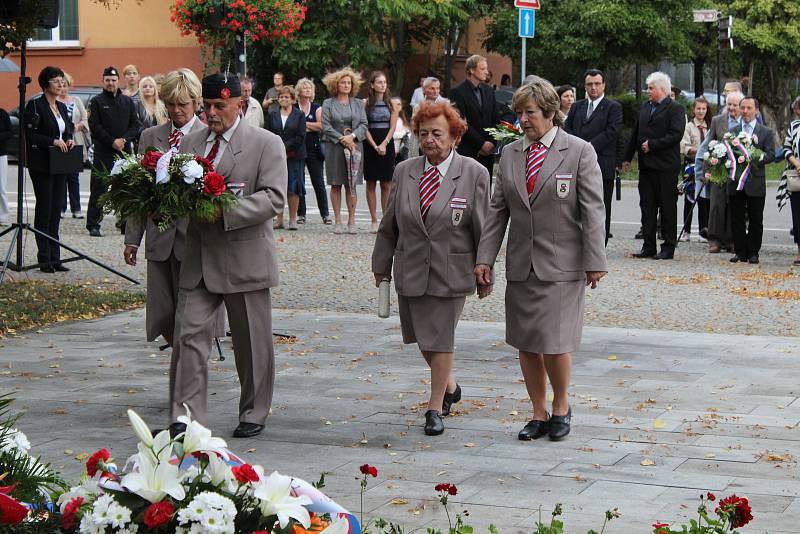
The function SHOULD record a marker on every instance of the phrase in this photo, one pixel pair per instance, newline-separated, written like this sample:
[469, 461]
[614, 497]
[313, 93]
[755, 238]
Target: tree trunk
[699, 67]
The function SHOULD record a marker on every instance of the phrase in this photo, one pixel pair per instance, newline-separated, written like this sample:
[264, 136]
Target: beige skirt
[430, 321]
[544, 317]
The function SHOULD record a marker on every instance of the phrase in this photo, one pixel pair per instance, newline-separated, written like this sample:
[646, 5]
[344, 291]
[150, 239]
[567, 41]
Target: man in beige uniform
[231, 261]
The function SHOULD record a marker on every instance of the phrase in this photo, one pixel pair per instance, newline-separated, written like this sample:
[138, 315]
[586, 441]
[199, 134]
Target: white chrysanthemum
[88, 526]
[191, 171]
[101, 508]
[15, 440]
[208, 512]
[118, 515]
[133, 528]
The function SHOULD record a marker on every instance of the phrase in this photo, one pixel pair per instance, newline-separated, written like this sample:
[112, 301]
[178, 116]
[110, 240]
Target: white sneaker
[686, 238]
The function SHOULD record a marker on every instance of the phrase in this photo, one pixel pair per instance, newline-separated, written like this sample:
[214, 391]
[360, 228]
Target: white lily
[140, 428]
[219, 473]
[338, 526]
[85, 489]
[191, 171]
[198, 438]
[153, 477]
[162, 166]
[273, 492]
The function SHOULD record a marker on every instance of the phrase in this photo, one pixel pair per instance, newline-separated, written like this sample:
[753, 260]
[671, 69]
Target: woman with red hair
[430, 233]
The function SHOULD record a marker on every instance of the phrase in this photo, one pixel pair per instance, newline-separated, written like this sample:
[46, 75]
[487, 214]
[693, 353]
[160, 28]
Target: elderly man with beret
[232, 261]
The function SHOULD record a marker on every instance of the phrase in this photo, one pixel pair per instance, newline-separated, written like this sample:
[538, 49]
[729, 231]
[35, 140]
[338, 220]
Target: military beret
[221, 85]
[110, 71]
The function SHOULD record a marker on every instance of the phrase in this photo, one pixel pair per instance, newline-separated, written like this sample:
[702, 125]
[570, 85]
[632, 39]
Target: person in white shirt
[251, 109]
[418, 95]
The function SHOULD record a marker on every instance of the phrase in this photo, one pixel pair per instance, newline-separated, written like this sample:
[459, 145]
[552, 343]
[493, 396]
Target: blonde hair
[129, 68]
[543, 94]
[68, 79]
[331, 81]
[302, 83]
[181, 86]
[153, 106]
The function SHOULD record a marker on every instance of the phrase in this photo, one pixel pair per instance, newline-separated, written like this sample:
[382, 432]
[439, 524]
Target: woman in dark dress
[379, 148]
[289, 123]
[314, 156]
[47, 124]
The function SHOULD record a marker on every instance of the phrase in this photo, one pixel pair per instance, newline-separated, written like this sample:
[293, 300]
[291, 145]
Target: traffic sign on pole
[527, 4]
[527, 23]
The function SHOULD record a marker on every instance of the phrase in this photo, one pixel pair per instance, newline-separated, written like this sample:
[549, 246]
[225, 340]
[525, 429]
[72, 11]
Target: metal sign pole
[524, 60]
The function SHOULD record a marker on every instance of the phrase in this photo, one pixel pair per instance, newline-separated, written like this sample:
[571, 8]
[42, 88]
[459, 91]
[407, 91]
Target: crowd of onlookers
[345, 141]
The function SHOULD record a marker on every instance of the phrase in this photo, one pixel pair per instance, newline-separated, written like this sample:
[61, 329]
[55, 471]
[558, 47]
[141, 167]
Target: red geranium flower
[214, 184]
[68, 518]
[95, 461]
[738, 509]
[660, 528]
[245, 473]
[711, 497]
[150, 159]
[369, 470]
[158, 514]
[12, 512]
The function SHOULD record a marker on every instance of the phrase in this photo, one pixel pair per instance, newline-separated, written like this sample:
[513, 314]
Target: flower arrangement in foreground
[505, 132]
[218, 22]
[731, 159]
[189, 485]
[166, 186]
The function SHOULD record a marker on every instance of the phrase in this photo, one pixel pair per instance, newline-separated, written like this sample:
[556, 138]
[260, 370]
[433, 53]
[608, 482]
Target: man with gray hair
[719, 220]
[655, 139]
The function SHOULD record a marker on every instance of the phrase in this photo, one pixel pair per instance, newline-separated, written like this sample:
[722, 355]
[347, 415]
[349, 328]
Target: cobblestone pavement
[658, 419]
[697, 292]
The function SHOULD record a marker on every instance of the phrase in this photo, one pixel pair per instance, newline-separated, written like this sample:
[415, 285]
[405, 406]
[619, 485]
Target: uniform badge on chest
[457, 205]
[563, 182]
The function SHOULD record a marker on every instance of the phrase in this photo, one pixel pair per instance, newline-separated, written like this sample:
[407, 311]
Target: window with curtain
[66, 33]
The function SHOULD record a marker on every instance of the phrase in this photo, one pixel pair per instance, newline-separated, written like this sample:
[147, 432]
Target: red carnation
[150, 159]
[447, 488]
[245, 473]
[68, 518]
[98, 459]
[11, 511]
[369, 470]
[738, 510]
[660, 528]
[158, 514]
[214, 184]
[711, 497]
[207, 164]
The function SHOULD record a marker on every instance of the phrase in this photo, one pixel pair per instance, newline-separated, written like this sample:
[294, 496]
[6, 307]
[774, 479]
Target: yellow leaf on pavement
[647, 462]
[659, 423]
[398, 501]
[612, 358]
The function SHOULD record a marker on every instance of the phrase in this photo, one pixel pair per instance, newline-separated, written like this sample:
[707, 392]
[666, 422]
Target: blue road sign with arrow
[527, 22]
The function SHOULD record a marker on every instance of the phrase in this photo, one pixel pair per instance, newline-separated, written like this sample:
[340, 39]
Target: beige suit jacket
[255, 114]
[560, 232]
[237, 253]
[435, 257]
[158, 245]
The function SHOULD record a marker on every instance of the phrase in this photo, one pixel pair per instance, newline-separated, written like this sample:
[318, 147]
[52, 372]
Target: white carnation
[119, 166]
[15, 440]
[191, 171]
[727, 164]
[706, 155]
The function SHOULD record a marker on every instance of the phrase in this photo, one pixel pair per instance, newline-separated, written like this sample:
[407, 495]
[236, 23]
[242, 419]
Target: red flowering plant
[732, 512]
[217, 23]
[165, 186]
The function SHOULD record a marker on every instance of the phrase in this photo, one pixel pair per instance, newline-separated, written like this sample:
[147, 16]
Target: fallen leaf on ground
[398, 501]
[647, 462]
[659, 423]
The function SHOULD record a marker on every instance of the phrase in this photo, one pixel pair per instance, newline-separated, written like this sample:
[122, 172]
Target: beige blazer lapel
[518, 169]
[414, 173]
[446, 189]
[228, 160]
[551, 163]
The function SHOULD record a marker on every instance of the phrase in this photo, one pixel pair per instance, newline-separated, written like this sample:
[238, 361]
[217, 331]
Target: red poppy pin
[225, 93]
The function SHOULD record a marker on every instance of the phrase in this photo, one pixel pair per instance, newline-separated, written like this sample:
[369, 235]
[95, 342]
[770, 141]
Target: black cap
[110, 71]
[221, 85]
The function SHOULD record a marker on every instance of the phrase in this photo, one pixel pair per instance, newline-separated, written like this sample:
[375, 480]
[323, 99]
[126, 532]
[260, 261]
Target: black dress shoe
[753, 259]
[534, 429]
[433, 423]
[247, 430]
[639, 235]
[559, 426]
[450, 399]
[664, 255]
[737, 259]
[47, 269]
[95, 232]
[60, 268]
[643, 254]
[174, 430]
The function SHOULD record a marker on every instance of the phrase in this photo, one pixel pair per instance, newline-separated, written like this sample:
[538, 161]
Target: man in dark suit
[476, 103]
[656, 139]
[747, 200]
[598, 120]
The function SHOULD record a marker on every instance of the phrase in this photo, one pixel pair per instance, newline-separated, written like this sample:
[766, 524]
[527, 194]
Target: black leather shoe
[174, 430]
[95, 232]
[60, 268]
[47, 269]
[753, 259]
[534, 429]
[664, 255]
[643, 254]
[737, 259]
[247, 430]
[450, 399]
[433, 423]
[559, 426]
[639, 235]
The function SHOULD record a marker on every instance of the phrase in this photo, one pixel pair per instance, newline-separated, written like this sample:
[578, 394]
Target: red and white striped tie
[428, 186]
[537, 152]
[175, 139]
